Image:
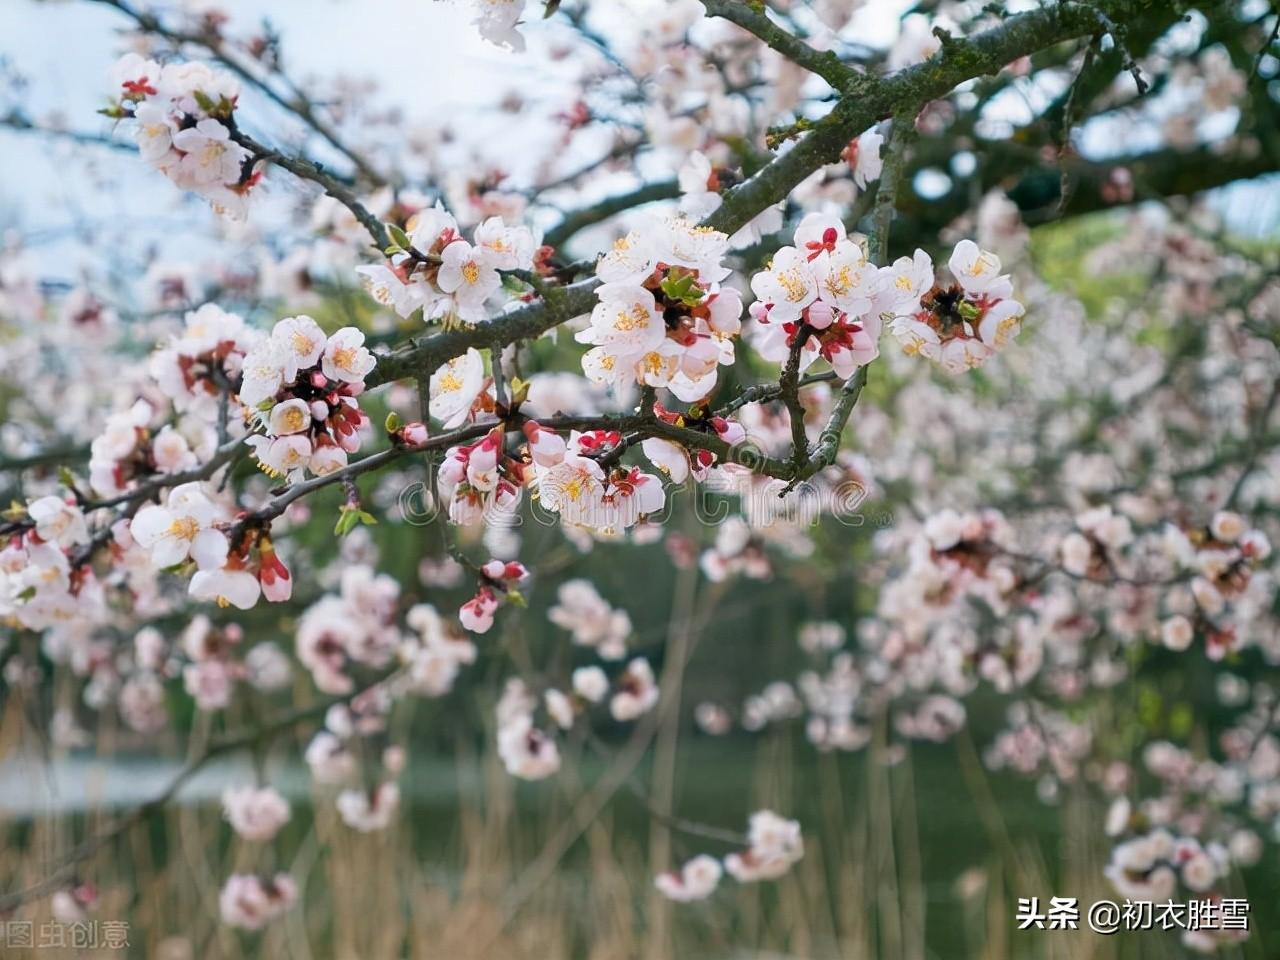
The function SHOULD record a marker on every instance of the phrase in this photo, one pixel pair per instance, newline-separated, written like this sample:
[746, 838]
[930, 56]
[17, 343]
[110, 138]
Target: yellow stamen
[184, 528]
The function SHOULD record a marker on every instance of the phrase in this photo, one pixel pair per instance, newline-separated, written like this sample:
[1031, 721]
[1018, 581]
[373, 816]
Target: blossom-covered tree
[751, 262]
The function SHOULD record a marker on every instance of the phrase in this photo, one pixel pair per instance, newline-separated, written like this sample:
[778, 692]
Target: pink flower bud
[414, 434]
[820, 315]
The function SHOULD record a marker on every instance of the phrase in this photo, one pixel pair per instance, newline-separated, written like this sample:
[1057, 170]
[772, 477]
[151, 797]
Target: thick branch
[868, 99]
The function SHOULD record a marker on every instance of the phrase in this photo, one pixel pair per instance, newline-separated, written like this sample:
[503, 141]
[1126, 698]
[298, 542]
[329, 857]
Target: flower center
[792, 285]
[633, 319]
[185, 528]
[294, 419]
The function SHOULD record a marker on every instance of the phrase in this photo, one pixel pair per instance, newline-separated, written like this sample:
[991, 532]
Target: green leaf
[682, 287]
[517, 598]
[399, 236]
[392, 423]
[348, 519]
[205, 102]
[519, 390]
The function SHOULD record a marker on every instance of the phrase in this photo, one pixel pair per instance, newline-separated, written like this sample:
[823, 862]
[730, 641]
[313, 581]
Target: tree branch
[755, 20]
[576, 220]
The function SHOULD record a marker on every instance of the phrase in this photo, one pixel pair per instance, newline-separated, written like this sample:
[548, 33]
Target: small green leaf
[517, 598]
[399, 236]
[519, 390]
[204, 101]
[682, 288]
[348, 518]
[392, 423]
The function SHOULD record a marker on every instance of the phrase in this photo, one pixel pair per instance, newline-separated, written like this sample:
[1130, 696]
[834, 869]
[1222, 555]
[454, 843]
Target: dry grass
[439, 883]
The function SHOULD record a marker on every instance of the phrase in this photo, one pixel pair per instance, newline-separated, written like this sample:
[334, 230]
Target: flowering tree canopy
[723, 285]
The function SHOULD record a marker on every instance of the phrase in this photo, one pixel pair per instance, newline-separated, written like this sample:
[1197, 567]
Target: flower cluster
[184, 127]
[677, 461]
[255, 813]
[39, 585]
[354, 627]
[774, 844]
[497, 582]
[128, 448]
[1150, 867]
[824, 293]
[572, 482]
[251, 902]
[346, 753]
[303, 387]
[963, 325]
[636, 692]
[526, 750]
[663, 320]
[696, 880]
[441, 273]
[433, 653]
[188, 531]
[590, 619]
[1220, 559]
[199, 365]
[480, 482]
